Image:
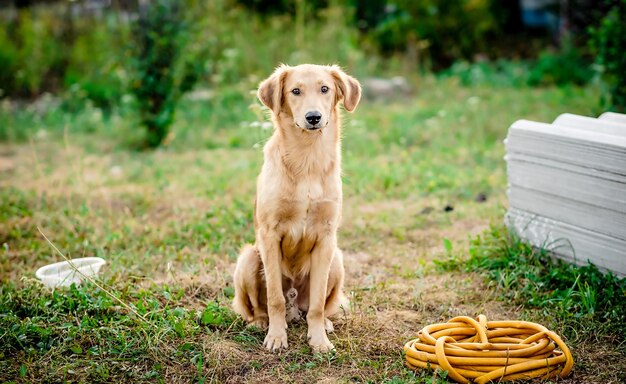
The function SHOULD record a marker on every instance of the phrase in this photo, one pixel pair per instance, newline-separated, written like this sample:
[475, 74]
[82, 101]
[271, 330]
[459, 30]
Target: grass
[578, 302]
[530, 277]
[170, 223]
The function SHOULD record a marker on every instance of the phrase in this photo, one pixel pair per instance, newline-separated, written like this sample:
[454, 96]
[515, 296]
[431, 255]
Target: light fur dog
[298, 206]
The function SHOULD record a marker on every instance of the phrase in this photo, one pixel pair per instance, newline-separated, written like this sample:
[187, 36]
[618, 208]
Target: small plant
[609, 40]
[216, 316]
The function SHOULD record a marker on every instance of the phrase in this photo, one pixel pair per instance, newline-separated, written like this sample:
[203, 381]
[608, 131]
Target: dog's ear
[348, 88]
[270, 90]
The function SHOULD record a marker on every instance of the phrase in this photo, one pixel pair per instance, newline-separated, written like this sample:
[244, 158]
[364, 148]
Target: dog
[298, 207]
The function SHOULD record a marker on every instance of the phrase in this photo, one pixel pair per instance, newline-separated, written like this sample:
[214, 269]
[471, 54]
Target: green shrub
[98, 74]
[46, 49]
[609, 40]
[566, 66]
[31, 53]
[8, 63]
[155, 81]
[445, 30]
[498, 73]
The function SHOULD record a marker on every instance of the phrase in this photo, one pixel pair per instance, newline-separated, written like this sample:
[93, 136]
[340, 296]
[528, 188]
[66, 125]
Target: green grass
[570, 294]
[82, 329]
[170, 223]
[580, 303]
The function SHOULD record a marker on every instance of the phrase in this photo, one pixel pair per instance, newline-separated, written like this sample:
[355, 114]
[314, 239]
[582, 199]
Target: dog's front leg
[269, 247]
[321, 259]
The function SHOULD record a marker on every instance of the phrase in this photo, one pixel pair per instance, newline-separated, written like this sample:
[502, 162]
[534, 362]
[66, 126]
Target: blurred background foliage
[94, 53]
[609, 41]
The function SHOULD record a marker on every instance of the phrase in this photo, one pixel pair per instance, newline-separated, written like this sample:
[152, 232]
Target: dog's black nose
[313, 117]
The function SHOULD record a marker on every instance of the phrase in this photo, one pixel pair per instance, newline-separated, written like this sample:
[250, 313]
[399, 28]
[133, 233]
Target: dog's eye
[324, 89]
[295, 91]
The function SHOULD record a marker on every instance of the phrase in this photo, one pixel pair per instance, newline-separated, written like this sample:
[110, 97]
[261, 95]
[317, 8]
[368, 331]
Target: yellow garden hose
[482, 351]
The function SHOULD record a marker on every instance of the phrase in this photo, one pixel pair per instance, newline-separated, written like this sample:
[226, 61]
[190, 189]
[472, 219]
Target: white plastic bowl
[63, 274]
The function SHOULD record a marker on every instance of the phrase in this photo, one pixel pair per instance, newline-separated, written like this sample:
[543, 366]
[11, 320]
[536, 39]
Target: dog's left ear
[270, 90]
[348, 88]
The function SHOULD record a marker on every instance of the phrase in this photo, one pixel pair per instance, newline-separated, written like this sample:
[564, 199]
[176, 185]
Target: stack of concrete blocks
[567, 187]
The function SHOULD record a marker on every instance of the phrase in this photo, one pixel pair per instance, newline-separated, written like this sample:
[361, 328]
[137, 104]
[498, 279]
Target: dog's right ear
[271, 89]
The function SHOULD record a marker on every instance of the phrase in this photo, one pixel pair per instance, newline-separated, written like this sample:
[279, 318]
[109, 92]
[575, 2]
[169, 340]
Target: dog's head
[309, 93]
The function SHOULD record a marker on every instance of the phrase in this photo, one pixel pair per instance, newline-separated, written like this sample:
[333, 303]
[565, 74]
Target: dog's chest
[307, 199]
[309, 191]
[313, 214]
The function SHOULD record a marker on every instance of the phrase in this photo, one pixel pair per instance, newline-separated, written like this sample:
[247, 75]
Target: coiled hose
[482, 351]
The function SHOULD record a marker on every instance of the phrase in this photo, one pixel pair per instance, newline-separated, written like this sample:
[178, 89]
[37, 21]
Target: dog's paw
[328, 325]
[323, 347]
[320, 343]
[260, 323]
[275, 341]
